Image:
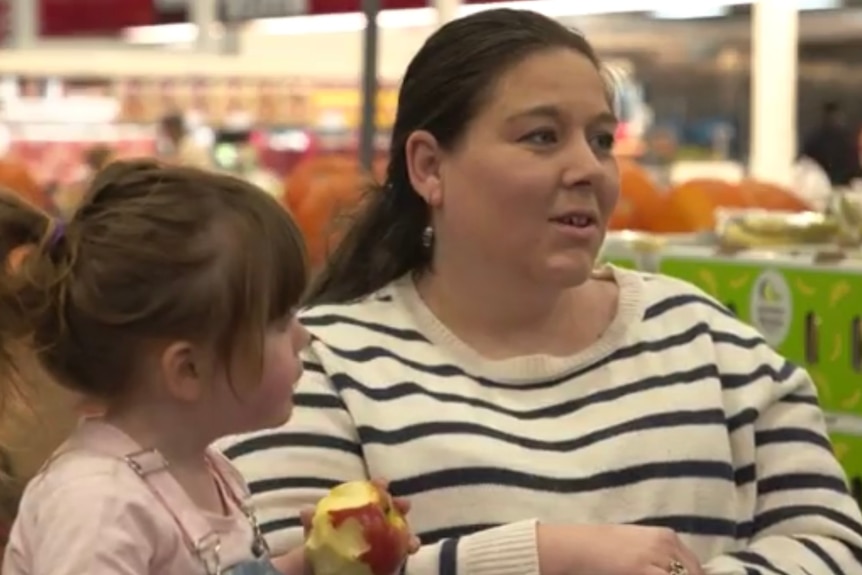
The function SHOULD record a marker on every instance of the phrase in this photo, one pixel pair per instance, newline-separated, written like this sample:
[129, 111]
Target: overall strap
[97, 436]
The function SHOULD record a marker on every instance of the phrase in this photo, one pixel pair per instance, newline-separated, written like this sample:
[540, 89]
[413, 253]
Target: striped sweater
[679, 416]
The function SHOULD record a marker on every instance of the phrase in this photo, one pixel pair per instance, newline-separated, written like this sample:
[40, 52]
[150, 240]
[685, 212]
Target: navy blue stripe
[449, 557]
[268, 527]
[745, 417]
[745, 475]
[794, 481]
[678, 301]
[615, 478]
[344, 383]
[685, 338]
[325, 320]
[737, 380]
[802, 399]
[293, 440]
[318, 401]
[765, 437]
[815, 549]
[769, 519]
[289, 482]
[391, 437]
[313, 367]
[452, 532]
[736, 340]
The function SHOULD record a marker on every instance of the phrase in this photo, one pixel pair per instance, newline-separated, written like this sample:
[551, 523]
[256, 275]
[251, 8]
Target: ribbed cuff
[510, 549]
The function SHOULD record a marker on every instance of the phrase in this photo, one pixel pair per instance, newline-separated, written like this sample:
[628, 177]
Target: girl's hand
[294, 562]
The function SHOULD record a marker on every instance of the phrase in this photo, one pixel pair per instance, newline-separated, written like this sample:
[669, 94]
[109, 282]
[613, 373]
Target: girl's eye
[603, 142]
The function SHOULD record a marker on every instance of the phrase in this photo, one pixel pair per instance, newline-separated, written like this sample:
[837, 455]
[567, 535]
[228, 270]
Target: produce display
[691, 206]
[357, 530]
[15, 177]
[54, 154]
[795, 276]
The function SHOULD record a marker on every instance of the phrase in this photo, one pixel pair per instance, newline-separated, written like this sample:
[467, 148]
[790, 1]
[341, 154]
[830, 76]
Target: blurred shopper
[179, 147]
[833, 145]
[97, 157]
[68, 198]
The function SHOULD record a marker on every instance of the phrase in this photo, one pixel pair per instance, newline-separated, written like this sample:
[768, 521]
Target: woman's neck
[500, 319]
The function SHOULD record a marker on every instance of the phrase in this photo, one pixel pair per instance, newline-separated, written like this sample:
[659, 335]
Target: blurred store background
[79, 73]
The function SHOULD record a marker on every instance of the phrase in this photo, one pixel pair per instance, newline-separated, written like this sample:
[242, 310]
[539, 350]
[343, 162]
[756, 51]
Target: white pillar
[23, 23]
[203, 14]
[447, 10]
[774, 39]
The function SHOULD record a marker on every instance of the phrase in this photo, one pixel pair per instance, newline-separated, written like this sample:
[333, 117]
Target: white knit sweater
[679, 416]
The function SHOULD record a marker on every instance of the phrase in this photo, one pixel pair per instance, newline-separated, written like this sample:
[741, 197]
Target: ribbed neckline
[527, 368]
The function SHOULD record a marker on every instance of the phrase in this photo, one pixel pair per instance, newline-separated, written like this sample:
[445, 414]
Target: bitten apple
[357, 530]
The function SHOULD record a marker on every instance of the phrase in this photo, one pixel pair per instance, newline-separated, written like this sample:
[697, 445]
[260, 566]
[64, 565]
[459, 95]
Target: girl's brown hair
[153, 254]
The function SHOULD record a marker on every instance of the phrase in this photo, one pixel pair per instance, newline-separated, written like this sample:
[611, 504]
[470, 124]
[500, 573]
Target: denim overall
[152, 468]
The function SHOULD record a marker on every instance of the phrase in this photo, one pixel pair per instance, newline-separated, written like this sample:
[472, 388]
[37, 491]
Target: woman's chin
[570, 271]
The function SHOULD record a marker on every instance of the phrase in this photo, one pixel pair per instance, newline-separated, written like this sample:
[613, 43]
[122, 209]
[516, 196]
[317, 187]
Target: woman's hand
[294, 563]
[614, 550]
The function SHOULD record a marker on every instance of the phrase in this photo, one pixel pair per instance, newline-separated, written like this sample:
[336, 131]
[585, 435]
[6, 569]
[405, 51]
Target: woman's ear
[423, 156]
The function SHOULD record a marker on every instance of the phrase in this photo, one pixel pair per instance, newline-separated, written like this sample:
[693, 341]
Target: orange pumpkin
[772, 197]
[639, 198]
[691, 206]
[319, 191]
[14, 176]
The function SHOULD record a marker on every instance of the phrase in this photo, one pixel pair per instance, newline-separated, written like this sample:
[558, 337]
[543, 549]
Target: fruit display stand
[808, 307]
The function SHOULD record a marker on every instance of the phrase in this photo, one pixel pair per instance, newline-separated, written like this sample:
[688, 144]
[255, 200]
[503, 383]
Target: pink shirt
[89, 512]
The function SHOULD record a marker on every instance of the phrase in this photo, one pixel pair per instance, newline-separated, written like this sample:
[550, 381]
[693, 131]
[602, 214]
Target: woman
[544, 418]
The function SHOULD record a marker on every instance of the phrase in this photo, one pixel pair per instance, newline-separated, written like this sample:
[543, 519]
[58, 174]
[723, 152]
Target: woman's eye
[542, 137]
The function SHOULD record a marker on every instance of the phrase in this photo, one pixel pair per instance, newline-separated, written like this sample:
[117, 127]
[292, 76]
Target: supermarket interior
[739, 141]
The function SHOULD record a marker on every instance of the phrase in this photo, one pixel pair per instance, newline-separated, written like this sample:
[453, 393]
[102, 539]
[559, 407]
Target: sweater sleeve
[805, 521]
[290, 469]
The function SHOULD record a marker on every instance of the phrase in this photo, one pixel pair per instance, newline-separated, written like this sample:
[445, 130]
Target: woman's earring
[427, 237]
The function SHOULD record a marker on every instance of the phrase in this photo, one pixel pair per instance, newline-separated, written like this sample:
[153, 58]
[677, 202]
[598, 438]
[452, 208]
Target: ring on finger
[677, 568]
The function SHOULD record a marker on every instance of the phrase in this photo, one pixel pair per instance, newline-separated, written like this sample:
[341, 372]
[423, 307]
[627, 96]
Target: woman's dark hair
[153, 254]
[443, 88]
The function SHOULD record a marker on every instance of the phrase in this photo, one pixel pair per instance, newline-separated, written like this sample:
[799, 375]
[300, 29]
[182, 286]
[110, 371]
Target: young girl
[168, 299]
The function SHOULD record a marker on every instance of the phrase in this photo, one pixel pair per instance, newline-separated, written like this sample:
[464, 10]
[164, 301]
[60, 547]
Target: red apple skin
[357, 530]
[387, 542]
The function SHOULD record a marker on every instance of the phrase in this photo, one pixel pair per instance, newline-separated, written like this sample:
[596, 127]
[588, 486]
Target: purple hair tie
[57, 234]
